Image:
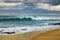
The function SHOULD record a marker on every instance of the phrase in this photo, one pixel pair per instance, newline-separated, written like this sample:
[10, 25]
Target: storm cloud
[53, 2]
[30, 5]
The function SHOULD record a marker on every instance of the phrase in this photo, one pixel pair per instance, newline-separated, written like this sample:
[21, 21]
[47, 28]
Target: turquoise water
[19, 21]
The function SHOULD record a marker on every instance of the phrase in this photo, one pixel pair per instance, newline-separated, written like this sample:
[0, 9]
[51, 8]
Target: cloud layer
[41, 1]
[23, 4]
[9, 4]
[47, 6]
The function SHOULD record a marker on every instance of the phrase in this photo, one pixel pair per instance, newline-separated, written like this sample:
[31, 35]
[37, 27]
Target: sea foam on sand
[20, 30]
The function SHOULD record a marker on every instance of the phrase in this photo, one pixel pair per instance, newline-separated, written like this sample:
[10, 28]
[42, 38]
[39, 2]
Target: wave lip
[44, 18]
[16, 19]
[29, 18]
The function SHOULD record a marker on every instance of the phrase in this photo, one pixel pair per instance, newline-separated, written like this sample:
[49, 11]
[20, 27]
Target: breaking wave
[28, 18]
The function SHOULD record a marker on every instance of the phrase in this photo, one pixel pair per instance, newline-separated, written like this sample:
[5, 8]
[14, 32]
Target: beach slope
[37, 35]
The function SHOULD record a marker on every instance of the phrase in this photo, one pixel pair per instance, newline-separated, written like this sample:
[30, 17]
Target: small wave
[44, 18]
[41, 17]
[28, 18]
[15, 19]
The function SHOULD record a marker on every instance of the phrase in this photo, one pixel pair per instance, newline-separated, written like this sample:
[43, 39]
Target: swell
[28, 18]
[16, 19]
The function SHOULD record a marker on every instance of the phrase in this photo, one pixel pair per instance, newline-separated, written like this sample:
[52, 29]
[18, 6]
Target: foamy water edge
[21, 30]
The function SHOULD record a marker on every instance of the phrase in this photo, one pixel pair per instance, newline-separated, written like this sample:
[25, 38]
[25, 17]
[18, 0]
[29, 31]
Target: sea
[27, 22]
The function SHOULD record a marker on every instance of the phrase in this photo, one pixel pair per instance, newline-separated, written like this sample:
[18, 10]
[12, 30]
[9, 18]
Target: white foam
[20, 30]
[42, 17]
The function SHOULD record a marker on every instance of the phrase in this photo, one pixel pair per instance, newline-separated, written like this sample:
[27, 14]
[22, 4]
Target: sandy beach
[37, 35]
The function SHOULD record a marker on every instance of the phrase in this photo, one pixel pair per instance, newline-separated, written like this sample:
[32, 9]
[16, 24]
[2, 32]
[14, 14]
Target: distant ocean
[23, 21]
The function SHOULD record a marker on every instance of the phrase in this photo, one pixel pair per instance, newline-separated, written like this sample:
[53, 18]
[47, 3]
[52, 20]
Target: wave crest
[28, 18]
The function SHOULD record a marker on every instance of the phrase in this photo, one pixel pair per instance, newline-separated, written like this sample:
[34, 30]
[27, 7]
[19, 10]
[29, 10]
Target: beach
[53, 34]
[29, 19]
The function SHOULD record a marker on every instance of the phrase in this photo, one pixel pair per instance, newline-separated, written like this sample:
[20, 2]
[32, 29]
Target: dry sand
[38, 35]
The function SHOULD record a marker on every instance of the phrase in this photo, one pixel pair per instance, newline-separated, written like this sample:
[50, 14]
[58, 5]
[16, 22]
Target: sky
[27, 7]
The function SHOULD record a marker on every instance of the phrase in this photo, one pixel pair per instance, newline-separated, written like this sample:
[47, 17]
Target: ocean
[8, 23]
[19, 21]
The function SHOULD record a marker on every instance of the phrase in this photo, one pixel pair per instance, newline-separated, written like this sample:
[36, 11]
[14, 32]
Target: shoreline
[33, 35]
[22, 30]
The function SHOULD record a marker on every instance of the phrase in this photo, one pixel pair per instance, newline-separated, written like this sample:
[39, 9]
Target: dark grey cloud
[53, 2]
[30, 4]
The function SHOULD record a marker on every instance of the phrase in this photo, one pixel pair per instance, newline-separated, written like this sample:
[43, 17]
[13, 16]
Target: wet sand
[37, 35]
[50, 35]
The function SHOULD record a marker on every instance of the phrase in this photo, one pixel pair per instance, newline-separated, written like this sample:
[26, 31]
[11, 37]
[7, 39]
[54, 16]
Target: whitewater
[10, 25]
[20, 30]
